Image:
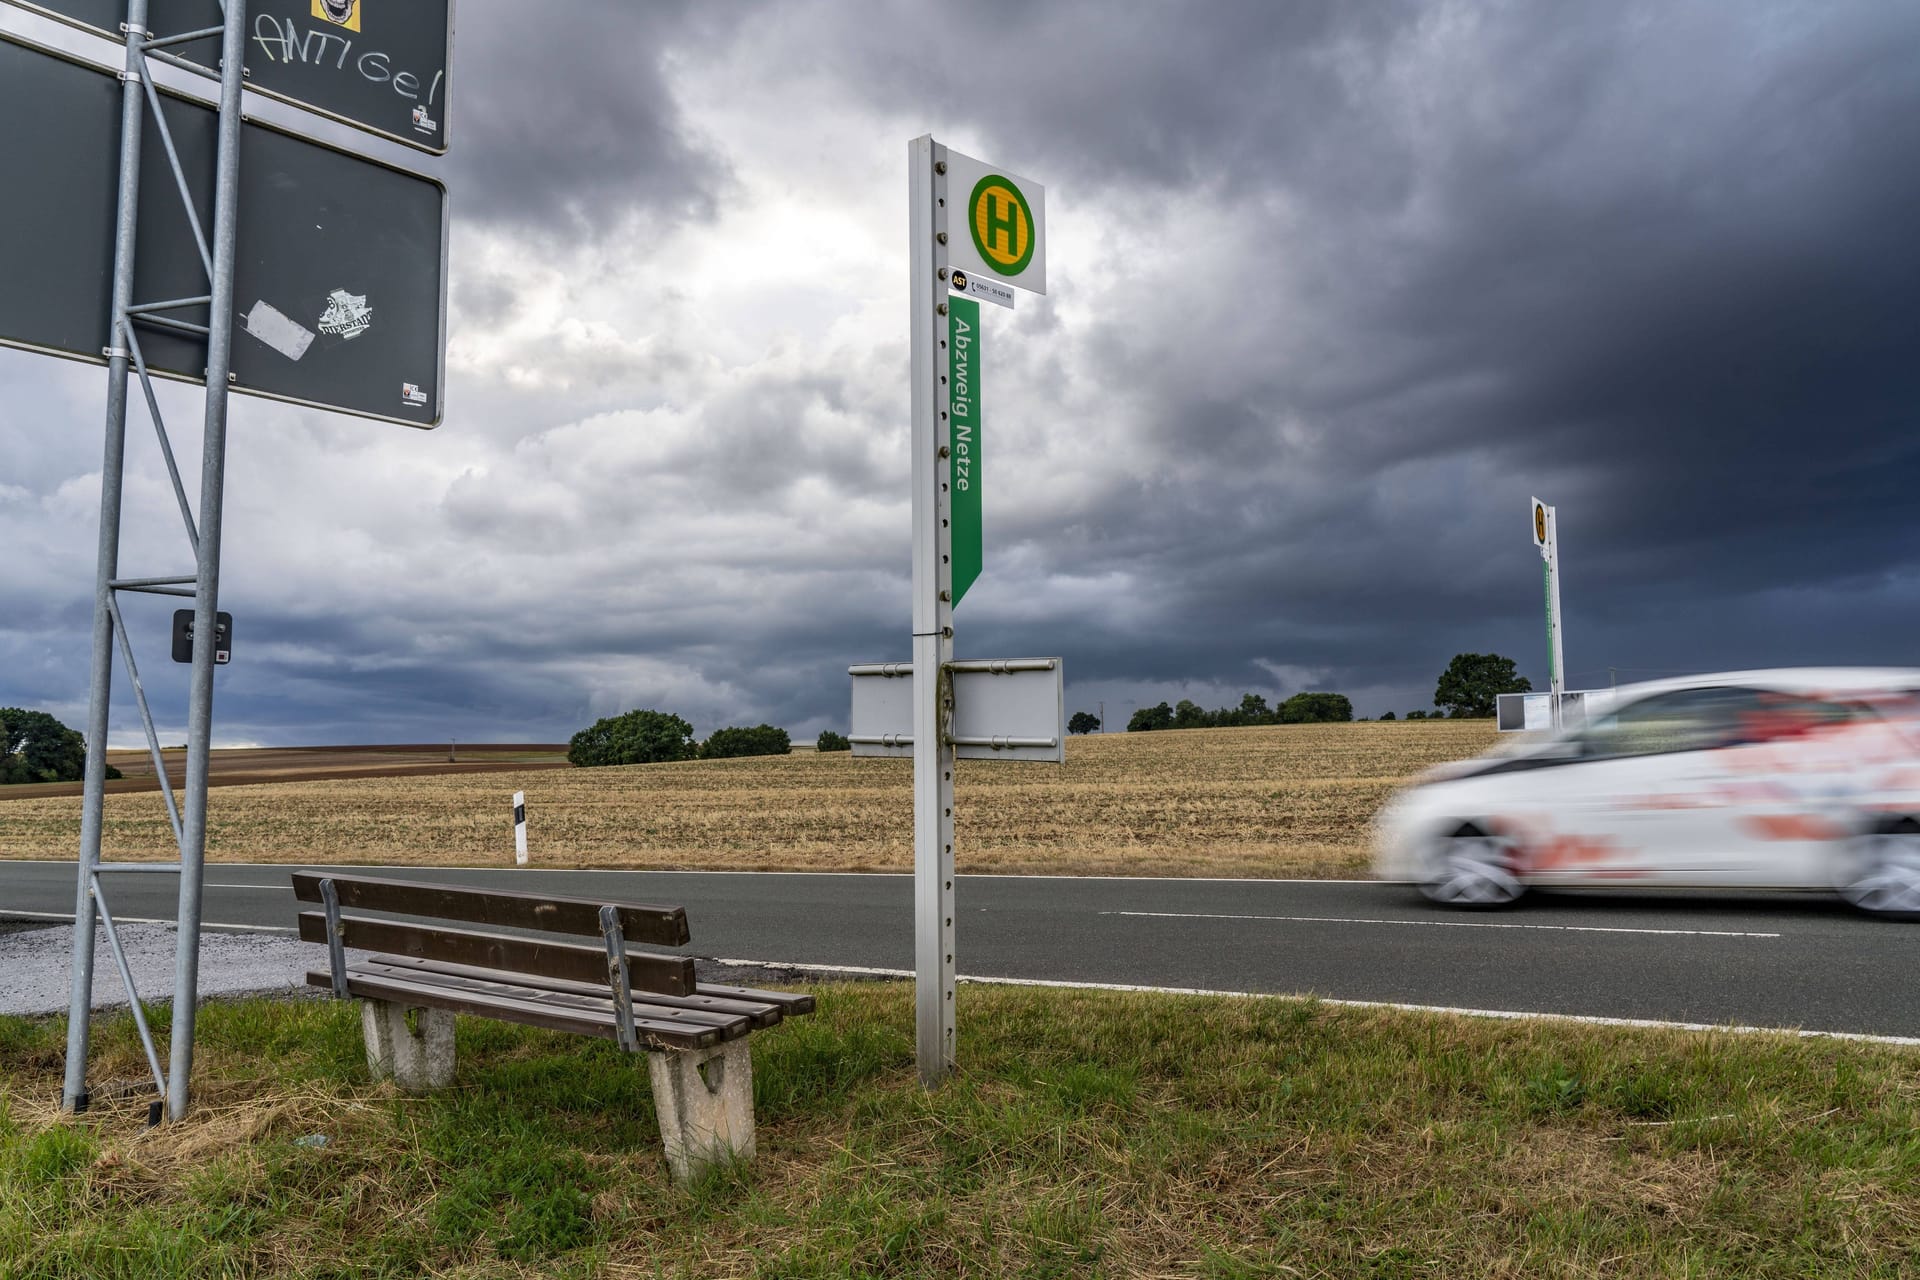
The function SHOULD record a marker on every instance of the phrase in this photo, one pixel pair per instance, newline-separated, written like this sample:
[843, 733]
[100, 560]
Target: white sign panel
[1006, 709]
[999, 223]
[986, 290]
[1542, 513]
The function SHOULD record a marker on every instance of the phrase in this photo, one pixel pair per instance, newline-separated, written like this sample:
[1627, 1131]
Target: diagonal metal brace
[336, 944]
[616, 940]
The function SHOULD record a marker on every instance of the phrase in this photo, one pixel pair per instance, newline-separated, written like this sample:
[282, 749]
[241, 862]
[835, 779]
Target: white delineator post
[520, 828]
[933, 753]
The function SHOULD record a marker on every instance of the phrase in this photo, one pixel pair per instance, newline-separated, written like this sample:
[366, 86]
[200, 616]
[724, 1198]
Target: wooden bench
[423, 973]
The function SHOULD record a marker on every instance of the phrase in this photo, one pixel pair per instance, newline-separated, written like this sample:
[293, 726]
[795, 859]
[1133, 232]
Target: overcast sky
[1333, 289]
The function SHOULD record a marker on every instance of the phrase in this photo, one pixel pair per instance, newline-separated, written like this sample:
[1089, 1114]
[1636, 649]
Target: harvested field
[1284, 801]
[244, 766]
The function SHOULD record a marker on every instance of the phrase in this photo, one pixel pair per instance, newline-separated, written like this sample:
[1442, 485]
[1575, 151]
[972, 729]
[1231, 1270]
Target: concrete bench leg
[705, 1101]
[418, 1062]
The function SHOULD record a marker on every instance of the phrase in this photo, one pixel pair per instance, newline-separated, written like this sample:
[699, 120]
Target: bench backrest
[504, 908]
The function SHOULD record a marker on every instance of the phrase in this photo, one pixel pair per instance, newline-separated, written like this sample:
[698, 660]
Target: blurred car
[1790, 779]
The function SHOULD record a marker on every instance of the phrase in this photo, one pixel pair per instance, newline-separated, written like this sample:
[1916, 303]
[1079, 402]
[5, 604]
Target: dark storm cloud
[1654, 262]
[566, 119]
[1337, 286]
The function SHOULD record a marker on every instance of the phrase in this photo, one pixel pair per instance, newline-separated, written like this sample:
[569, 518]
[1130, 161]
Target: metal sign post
[1546, 537]
[187, 291]
[1000, 235]
[933, 757]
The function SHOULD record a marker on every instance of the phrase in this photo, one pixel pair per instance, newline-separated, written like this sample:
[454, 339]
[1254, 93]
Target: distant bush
[1388, 716]
[34, 747]
[638, 737]
[761, 740]
[1316, 708]
[831, 741]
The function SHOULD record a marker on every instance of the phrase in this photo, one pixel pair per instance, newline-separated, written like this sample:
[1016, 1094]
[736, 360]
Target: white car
[1792, 779]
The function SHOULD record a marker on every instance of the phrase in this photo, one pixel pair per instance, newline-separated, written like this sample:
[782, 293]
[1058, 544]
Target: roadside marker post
[935, 708]
[520, 828]
[1546, 537]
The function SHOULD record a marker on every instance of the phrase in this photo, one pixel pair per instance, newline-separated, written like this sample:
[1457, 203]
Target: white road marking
[1593, 1020]
[66, 917]
[1444, 924]
[693, 871]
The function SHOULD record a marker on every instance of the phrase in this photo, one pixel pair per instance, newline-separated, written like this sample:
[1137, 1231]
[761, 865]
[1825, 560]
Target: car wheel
[1884, 879]
[1471, 868]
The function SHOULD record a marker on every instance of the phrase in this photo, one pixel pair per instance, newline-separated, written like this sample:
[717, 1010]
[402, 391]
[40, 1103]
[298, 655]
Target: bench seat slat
[763, 1013]
[792, 1003]
[653, 1034]
[671, 975]
[731, 1026]
[644, 925]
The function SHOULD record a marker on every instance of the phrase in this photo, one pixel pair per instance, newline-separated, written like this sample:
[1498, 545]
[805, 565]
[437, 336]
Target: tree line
[656, 737]
[1301, 708]
[1468, 689]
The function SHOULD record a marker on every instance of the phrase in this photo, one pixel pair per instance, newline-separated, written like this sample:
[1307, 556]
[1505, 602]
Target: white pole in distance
[520, 828]
[1546, 537]
[933, 754]
[1557, 623]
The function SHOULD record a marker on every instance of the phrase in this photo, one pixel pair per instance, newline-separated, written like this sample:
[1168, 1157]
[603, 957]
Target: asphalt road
[1758, 960]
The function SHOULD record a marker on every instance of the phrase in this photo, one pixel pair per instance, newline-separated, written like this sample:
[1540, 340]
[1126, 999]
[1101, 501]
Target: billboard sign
[378, 65]
[340, 268]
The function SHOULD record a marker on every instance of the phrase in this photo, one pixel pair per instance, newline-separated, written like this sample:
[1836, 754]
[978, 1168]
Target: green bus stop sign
[963, 439]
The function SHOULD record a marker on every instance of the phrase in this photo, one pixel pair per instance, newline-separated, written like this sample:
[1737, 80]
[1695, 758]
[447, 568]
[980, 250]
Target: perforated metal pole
[933, 753]
[92, 806]
[1556, 625]
[206, 604]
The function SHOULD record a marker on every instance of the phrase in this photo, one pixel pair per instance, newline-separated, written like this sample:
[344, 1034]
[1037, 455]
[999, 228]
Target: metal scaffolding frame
[139, 97]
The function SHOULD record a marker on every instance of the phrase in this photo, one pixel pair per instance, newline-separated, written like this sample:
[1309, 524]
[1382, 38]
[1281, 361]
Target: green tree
[1389, 716]
[831, 741]
[731, 743]
[1472, 681]
[34, 747]
[1254, 709]
[1083, 722]
[1187, 714]
[1316, 708]
[1160, 717]
[638, 737]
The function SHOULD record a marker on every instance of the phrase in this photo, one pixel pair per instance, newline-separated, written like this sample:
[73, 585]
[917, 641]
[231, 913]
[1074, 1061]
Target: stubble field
[1281, 801]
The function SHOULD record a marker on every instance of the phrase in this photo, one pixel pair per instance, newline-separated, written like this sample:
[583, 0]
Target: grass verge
[1090, 1133]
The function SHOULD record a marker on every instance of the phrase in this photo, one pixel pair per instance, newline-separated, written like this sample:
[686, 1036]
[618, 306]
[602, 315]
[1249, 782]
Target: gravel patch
[36, 959]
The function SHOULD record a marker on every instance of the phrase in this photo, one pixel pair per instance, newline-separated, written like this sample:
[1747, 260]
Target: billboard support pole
[123, 359]
[206, 601]
[933, 750]
[112, 469]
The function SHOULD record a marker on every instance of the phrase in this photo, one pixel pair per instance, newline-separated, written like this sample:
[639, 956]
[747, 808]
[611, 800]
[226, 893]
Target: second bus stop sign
[379, 65]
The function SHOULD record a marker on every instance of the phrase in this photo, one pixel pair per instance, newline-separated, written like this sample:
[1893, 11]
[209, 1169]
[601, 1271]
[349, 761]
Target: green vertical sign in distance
[963, 439]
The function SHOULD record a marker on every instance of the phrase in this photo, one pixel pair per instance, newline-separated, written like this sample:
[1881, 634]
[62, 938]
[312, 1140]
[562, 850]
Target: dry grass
[1283, 801]
[1088, 1133]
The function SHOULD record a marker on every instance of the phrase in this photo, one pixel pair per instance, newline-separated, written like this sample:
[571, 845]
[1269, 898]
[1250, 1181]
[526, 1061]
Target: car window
[1684, 720]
